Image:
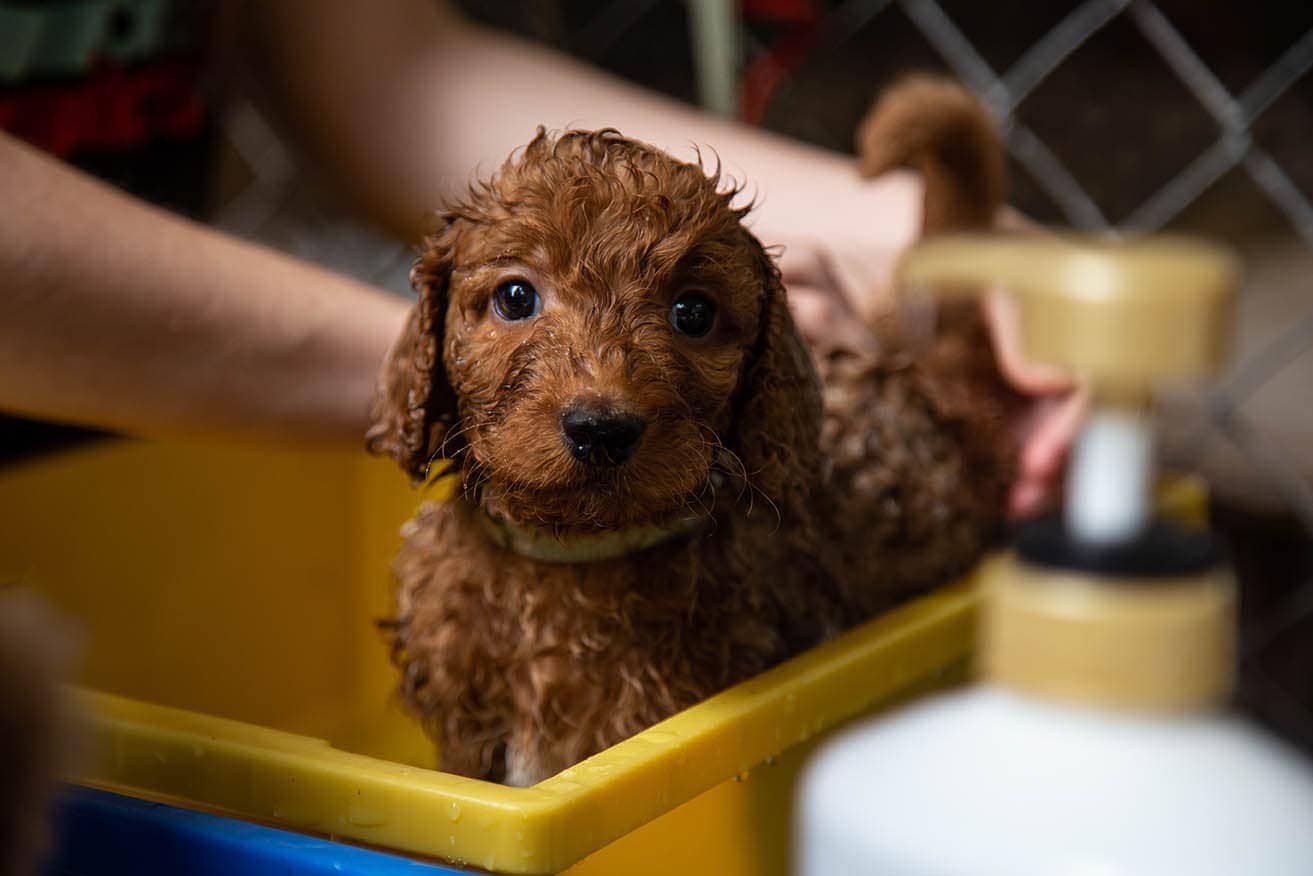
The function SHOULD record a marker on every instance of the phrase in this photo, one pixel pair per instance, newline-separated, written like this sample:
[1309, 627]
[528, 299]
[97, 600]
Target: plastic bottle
[1097, 743]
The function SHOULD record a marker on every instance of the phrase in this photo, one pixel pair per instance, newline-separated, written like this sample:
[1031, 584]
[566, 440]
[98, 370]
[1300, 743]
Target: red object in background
[777, 11]
[113, 109]
[763, 76]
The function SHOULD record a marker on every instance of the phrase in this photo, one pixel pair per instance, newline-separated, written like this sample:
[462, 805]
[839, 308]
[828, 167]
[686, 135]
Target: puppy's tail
[943, 131]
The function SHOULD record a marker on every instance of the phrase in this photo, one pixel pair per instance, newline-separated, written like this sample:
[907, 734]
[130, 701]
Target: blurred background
[1123, 116]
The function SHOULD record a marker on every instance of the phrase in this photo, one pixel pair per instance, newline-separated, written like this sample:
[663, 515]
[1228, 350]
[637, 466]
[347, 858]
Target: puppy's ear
[777, 421]
[414, 405]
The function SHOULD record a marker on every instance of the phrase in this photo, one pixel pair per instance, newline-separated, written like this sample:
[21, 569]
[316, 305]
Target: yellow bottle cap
[1158, 645]
[1121, 316]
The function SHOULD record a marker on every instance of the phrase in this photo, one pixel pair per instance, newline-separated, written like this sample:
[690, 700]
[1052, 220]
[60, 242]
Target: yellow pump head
[1122, 317]
[1110, 607]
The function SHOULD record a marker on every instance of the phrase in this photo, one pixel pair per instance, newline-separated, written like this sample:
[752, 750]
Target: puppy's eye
[693, 314]
[514, 300]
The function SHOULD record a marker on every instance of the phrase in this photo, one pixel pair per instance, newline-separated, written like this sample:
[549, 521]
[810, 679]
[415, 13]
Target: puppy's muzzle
[600, 435]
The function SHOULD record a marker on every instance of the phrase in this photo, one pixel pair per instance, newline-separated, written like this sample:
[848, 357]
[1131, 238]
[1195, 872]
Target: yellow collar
[589, 548]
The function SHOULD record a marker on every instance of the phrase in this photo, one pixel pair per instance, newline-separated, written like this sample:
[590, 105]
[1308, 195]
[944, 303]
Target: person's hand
[1049, 423]
[822, 307]
[835, 296]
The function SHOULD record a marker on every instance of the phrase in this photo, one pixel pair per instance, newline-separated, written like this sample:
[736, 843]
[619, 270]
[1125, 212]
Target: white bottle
[1097, 743]
[1012, 779]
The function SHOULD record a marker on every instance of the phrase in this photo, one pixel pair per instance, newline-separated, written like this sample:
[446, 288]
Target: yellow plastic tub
[228, 597]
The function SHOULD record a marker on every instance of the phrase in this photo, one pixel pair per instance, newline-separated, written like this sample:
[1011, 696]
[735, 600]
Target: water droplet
[565, 785]
[366, 817]
[453, 811]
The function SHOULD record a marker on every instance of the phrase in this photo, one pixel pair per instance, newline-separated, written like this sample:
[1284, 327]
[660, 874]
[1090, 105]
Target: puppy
[656, 495]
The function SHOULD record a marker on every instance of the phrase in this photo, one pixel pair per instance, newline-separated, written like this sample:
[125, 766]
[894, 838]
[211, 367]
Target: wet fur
[823, 500]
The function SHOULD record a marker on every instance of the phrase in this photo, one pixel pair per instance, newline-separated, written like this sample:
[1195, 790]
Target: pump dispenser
[1097, 742]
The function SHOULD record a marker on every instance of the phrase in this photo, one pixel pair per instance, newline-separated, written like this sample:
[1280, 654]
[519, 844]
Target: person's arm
[405, 102]
[117, 315]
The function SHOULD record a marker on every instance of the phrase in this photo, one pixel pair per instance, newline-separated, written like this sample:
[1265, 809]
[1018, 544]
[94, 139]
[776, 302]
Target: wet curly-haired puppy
[657, 497]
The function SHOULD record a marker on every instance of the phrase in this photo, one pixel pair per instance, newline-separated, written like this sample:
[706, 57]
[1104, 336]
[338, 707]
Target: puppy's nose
[599, 435]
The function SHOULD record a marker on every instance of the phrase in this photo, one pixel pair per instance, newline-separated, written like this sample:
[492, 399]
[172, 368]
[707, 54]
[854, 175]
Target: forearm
[430, 97]
[117, 315]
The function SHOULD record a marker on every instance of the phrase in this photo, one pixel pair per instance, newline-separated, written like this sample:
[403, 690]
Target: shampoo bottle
[1097, 742]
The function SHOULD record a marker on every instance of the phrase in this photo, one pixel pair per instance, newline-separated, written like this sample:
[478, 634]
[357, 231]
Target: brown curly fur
[814, 517]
